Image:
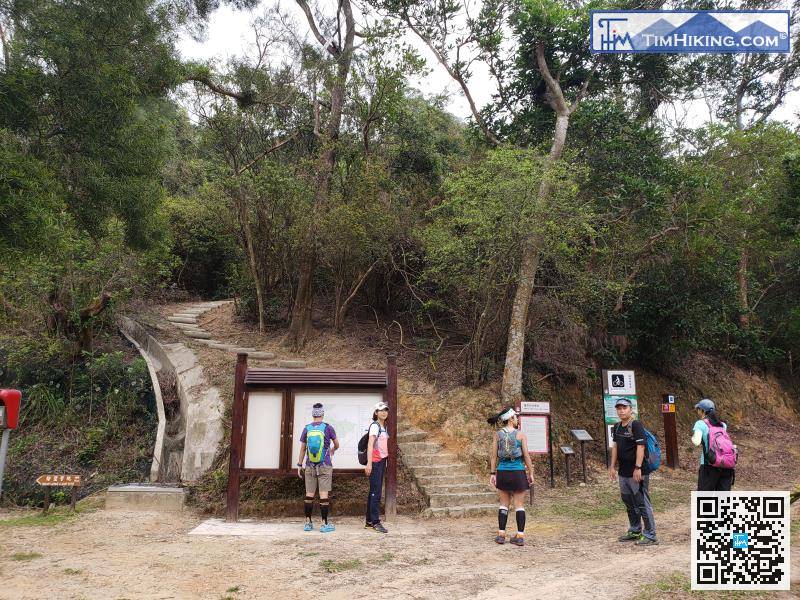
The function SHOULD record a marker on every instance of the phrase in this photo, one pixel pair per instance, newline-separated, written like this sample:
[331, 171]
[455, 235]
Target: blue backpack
[652, 451]
[652, 454]
[315, 442]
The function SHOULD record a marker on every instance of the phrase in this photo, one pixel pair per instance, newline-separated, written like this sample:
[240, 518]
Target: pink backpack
[720, 451]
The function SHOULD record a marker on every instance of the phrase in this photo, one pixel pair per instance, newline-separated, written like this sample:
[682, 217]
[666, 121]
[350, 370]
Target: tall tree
[746, 90]
[538, 56]
[338, 42]
[82, 91]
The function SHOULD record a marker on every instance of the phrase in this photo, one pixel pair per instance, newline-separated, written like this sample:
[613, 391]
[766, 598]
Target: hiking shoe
[379, 528]
[327, 528]
[630, 537]
[309, 526]
[517, 541]
[367, 525]
[500, 539]
[646, 541]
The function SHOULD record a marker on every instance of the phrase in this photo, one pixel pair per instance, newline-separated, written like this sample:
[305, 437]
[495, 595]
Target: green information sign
[610, 410]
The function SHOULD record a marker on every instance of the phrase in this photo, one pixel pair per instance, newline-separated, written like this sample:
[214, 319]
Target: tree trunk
[338, 312]
[300, 326]
[741, 276]
[301, 310]
[511, 389]
[244, 220]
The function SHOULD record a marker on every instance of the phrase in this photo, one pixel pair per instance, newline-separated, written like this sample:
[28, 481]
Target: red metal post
[237, 419]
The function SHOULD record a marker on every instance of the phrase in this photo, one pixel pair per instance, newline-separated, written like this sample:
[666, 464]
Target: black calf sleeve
[521, 520]
[502, 518]
[324, 508]
[308, 506]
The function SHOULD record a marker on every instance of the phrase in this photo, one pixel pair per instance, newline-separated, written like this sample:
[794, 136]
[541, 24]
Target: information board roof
[314, 377]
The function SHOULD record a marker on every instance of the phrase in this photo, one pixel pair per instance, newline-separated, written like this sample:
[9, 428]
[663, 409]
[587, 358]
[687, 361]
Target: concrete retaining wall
[201, 407]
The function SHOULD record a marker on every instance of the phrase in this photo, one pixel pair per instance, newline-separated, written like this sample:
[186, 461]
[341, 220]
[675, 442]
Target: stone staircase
[186, 319]
[447, 484]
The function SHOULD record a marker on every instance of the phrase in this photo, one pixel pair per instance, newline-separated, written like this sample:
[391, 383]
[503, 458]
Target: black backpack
[363, 444]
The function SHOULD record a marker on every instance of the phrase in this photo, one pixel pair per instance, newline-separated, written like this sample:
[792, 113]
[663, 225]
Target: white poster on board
[535, 428]
[349, 413]
[262, 445]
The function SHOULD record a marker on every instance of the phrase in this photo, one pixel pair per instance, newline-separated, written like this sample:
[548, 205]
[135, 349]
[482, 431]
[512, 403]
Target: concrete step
[187, 326]
[421, 447]
[237, 350]
[446, 500]
[460, 511]
[410, 435]
[261, 355]
[145, 497]
[441, 480]
[433, 458]
[187, 315]
[207, 342]
[188, 320]
[292, 364]
[198, 334]
[472, 487]
[221, 345]
[439, 469]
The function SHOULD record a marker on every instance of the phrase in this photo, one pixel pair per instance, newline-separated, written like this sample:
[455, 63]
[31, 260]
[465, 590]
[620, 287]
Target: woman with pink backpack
[718, 455]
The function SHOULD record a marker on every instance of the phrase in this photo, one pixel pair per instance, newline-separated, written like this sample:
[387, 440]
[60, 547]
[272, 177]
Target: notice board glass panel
[263, 442]
[349, 413]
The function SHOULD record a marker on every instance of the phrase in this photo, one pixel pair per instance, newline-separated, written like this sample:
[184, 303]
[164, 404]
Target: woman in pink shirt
[378, 452]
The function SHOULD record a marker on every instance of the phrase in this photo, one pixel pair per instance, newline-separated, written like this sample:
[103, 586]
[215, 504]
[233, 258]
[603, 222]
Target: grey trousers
[637, 502]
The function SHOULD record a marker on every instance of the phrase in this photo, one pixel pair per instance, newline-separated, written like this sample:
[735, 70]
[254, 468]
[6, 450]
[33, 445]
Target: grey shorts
[318, 477]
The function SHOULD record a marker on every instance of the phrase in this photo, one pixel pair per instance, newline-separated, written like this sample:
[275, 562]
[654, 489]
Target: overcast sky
[229, 33]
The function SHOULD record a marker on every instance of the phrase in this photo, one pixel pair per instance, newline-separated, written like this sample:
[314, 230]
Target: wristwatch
[638, 467]
[300, 465]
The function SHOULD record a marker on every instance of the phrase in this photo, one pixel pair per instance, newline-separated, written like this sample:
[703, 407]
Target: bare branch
[266, 153]
[457, 76]
[327, 45]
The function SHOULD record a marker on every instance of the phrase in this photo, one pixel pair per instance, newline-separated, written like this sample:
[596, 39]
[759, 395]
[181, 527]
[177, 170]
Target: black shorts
[715, 479]
[512, 481]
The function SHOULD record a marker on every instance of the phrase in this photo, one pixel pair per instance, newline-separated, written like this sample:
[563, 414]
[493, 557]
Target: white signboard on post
[537, 408]
[535, 429]
[621, 383]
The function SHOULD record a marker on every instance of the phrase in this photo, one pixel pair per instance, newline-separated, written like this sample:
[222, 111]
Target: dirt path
[109, 554]
[572, 550]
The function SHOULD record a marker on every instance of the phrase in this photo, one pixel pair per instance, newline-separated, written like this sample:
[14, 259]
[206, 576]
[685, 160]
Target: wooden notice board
[271, 407]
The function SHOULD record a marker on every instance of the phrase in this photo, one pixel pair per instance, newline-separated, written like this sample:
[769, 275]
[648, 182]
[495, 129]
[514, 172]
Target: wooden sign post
[582, 436]
[271, 407]
[567, 451]
[670, 430]
[48, 481]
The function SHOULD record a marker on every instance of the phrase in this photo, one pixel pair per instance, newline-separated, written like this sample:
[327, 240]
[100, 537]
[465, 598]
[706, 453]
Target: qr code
[740, 540]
